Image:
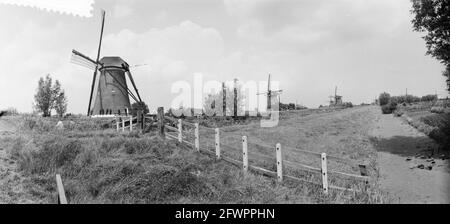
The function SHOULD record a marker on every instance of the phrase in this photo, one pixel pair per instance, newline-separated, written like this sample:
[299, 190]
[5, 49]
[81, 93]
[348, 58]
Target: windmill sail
[97, 62]
[80, 59]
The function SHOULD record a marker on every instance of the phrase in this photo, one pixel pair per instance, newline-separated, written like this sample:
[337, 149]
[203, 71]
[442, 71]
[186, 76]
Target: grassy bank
[435, 125]
[101, 166]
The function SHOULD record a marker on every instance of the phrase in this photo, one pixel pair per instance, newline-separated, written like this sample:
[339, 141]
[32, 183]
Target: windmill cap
[113, 62]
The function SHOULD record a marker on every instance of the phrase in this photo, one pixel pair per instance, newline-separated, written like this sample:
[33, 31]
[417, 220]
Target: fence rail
[279, 162]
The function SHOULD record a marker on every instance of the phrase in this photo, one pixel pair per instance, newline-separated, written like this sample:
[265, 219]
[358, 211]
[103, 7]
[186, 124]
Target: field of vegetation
[100, 165]
[422, 116]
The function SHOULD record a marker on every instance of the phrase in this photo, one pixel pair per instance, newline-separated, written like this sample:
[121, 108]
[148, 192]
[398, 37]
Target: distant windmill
[269, 94]
[335, 100]
[112, 91]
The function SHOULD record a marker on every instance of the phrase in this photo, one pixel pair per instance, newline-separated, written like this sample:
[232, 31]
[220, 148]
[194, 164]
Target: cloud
[161, 16]
[292, 22]
[123, 9]
[32, 53]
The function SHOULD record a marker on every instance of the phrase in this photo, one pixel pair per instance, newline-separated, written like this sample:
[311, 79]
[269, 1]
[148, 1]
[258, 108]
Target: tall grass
[103, 166]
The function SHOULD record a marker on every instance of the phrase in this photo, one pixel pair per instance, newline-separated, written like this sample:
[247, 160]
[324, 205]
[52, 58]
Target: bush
[389, 108]
[398, 113]
[437, 110]
[384, 98]
[11, 112]
[429, 98]
[347, 104]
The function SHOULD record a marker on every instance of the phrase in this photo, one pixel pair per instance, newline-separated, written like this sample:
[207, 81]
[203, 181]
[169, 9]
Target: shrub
[398, 113]
[10, 112]
[389, 108]
[429, 98]
[347, 104]
[384, 98]
[437, 110]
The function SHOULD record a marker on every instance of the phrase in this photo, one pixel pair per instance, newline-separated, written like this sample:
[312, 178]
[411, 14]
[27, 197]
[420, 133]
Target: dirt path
[401, 149]
[12, 188]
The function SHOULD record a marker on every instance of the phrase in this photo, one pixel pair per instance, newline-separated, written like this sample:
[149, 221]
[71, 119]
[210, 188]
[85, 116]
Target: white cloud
[32, 53]
[291, 22]
[161, 16]
[122, 11]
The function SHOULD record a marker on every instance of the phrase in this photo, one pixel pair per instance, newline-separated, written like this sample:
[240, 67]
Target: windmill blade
[139, 65]
[97, 61]
[123, 86]
[132, 82]
[83, 60]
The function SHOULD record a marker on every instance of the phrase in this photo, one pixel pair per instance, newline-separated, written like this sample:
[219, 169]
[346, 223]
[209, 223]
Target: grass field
[99, 165]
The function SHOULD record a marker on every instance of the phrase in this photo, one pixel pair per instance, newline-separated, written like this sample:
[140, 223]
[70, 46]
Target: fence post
[324, 173]
[245, 153]
[217, 143]
[180, 131]
[60, 187]
[279, 163]
[123, 124]
[197, 143]
[161, 122]
[363, 169]
[117, 125]
[131, 123]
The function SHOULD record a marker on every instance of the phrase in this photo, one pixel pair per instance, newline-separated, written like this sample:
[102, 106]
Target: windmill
[112, 91]
[269, 94]
[335, 100]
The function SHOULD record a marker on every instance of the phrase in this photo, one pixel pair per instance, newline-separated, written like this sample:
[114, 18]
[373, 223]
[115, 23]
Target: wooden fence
[130, 123]
[182, 131]
[189, 134]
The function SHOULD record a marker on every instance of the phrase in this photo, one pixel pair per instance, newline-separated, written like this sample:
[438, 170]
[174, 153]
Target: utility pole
[269, 96]
[235, 99]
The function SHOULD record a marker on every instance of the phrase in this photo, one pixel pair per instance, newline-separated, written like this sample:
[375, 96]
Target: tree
[433, 17]
[60, 103]
[139, 106]
[43, 100]
[429, 98]
[49, 96]
[384, 98]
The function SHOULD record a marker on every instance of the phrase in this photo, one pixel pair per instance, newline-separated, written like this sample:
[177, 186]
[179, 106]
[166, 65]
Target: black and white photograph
[246, 103]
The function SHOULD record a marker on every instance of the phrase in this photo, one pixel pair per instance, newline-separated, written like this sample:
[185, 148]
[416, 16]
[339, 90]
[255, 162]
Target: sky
[365, 47]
